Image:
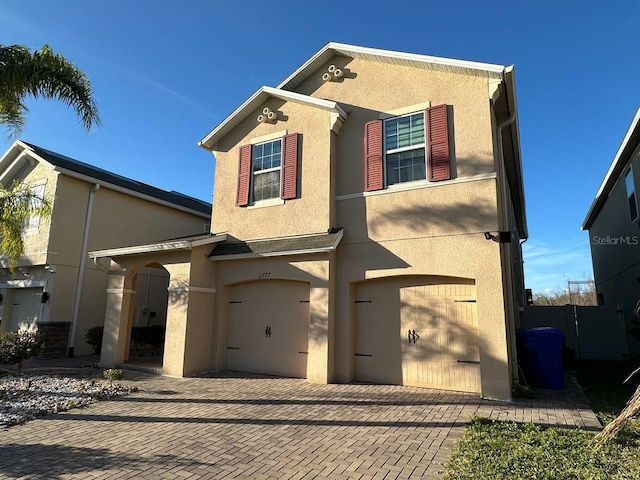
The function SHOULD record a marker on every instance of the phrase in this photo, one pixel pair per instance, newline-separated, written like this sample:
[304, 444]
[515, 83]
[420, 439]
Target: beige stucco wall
[36, 243]
[371, 87]
[310, 210]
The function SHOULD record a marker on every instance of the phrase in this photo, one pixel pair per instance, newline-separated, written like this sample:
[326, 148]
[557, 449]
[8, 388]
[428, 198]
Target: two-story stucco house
[56, 289]
[366, 226]
[614, 229]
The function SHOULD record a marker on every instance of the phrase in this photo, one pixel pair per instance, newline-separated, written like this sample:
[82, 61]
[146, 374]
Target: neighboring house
[614, 229]
[56, 288]
[366, 227]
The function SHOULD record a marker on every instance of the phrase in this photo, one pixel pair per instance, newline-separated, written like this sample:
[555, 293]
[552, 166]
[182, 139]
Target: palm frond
[46, 74]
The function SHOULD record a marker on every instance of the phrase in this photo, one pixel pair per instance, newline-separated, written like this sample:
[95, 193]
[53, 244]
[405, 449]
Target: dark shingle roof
[81, 168]
[279, 245]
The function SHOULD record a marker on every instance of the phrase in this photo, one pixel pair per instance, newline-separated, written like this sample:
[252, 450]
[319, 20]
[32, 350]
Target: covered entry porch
[186, 348]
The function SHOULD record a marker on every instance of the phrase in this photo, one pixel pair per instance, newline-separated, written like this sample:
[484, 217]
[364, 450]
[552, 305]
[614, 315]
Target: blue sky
[166, 72]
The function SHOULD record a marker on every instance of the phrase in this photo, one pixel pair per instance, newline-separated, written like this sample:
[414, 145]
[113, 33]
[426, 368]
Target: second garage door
[269, 328]
[408, 333]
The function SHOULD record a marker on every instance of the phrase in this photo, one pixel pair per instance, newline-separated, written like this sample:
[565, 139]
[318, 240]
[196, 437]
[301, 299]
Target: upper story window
[32, 224]
[268, 170]
[631, 195]
[266, 164]
[407, 148]
[404, 142]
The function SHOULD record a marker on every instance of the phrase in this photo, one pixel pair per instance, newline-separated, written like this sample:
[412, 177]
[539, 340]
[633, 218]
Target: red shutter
[373, 171]
[244, 176]
[438, 156]
[290, 166]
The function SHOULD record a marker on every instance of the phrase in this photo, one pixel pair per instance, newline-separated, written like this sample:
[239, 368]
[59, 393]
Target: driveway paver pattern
[258, 427]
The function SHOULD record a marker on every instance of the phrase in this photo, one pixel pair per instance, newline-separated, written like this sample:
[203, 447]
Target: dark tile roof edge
[99, 174]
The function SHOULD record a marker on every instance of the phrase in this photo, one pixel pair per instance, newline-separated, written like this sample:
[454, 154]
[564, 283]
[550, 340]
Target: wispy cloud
[548, 267]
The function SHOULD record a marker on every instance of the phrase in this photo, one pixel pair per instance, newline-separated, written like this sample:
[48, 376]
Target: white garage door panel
[421, 335]
[279, 305]
[26, 308]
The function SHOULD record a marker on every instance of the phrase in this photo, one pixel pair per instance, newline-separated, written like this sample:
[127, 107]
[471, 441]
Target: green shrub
[16, 347]
[93, 336]
[113, 374]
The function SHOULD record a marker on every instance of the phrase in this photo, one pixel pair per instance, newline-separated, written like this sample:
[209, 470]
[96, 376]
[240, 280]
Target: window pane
[266, 185]
[628, 181]
[406, 167]
[404, 131]
[266, 155]
[633, 207]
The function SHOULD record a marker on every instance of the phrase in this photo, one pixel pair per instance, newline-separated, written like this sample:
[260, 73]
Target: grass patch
[515, 451]
[507, 450]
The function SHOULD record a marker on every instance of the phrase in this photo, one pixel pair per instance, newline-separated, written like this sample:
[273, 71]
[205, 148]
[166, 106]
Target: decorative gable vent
[332, 73]
[267, 116]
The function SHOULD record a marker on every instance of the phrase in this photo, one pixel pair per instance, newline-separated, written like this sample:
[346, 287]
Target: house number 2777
[264, 274]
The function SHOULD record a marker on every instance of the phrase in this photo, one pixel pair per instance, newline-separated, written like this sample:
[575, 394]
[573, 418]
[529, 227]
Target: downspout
[83, 261]
[505, 223]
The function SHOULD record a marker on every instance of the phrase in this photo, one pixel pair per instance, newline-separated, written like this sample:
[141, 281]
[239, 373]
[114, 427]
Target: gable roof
[625, 152]
[388, 56]
[110, 180]
[257, 99]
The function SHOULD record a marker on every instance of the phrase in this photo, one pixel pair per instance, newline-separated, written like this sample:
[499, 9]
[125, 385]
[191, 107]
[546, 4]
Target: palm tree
[41, 73]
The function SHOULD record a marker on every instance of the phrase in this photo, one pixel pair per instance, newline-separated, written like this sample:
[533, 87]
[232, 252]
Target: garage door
[269, 328]
[26, 308]
[421, 335]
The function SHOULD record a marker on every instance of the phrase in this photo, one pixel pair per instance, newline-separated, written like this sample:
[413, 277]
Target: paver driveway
[244, 427]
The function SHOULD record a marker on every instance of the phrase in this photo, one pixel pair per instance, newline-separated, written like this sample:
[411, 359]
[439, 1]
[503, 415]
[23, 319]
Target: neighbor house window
[32, 224]
[266, 170]
[631, 195]
[404, 142]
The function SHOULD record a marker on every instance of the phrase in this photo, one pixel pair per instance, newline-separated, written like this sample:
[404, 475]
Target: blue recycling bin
[541, 356]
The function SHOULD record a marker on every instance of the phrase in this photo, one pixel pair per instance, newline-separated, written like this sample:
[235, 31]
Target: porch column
[119, 309]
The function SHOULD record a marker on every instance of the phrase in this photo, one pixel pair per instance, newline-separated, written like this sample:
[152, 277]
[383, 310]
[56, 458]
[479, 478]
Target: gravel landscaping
[25, 398]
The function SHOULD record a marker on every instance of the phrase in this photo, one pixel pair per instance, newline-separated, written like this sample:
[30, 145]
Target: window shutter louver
[438, 156]
[290, 166]
[244, 176]
[373, 163]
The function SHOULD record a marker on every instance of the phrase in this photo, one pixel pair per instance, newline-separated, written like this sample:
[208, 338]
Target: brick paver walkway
[261, 428]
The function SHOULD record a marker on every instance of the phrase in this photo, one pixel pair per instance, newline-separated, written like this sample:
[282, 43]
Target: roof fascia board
[129, 192]
[346, 49]
[208, 141]
[609, 181]
[156, 247]
[239, 256]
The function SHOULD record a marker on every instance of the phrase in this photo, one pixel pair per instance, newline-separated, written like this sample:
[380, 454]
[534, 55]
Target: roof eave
[256, 99]
[333, 48]
[617, 166]
[166, 246]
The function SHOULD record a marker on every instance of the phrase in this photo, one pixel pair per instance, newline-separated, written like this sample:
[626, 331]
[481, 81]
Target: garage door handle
[469, 361]
[303, 353]
[363, 355]
[233, 348]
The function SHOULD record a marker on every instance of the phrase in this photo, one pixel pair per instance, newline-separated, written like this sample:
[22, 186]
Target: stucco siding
[309, 213]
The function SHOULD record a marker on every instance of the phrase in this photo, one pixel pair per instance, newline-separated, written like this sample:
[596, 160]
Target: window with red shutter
[290, 167]
[244, 176]
[373, 156]
[438, 155]
[407, 148]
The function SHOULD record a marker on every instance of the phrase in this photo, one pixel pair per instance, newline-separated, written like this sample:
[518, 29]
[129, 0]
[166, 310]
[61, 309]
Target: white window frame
[403, 149]
[266, 170]
[630, 193]
[32, 225]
